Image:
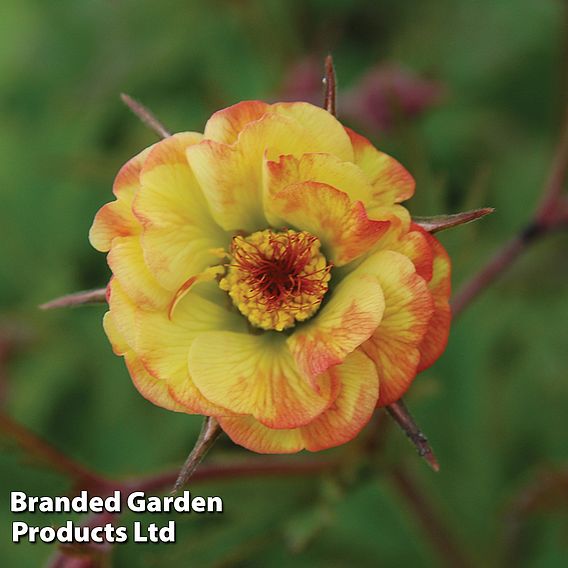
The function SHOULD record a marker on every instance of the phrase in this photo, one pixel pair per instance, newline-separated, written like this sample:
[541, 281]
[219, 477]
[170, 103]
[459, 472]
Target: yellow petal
[351, 410]
[163, 344]
[248, 432]
[349, 318]
[390, 180]
[149, 387]
[255, 374]
[178, 229]
[323, 168]
[225, 125]
[119, 344]
[128, 265]
[154, 390]
[322, 128]
[115, 219]
[394, 346]
[231, 175]
[121, 314]
[339, 424]
[342, 226]
[436, 338]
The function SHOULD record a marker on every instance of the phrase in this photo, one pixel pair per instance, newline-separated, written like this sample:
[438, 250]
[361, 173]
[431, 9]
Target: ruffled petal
[154, 390]
[436, 338]
[163, 344]
[178, 230]
[342, 226]
[115, 219]
[126, 260]
[394, 346]
[416, 247]
[390, 180]
[121, 316]
[323, 168]
[351, 410]
[339, 424]
[256, 375]
[231, 174]
[225, 125]
[325, 132]
[345, 322]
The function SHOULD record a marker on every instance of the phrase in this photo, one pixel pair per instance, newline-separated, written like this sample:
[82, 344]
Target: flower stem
[145, 115]
[330, 86]
[403, 418]
[77, 299]
[442, 222]
[210, 431]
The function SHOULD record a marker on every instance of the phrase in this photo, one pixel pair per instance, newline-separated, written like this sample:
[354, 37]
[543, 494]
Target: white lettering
[135, 502]
[18, 502]
[18, 529]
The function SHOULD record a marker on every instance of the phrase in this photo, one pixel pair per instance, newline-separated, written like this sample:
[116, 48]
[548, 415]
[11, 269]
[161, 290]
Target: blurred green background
[467, 94]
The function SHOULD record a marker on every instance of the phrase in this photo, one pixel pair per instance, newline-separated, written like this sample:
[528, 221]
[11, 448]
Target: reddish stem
[552, 213]
[45, 452]
[330, 85]
[403, 418]
[145, 115]
[439, 535]
[77, 299]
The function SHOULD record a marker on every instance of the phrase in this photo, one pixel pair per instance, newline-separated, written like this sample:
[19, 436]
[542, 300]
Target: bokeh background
[467, 94]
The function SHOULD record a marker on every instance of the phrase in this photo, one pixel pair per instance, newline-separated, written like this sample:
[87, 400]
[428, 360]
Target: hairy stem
[210, 431]
[145, 115]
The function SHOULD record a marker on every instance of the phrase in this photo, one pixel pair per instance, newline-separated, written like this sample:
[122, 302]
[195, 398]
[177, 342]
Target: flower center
[277, 278]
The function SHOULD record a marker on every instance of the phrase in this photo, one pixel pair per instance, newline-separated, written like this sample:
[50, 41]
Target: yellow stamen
[277, 278]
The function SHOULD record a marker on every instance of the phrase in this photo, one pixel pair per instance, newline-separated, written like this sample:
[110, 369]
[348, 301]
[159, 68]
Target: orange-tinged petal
[255, 374]
[153, 389]
[121, 315]
[345, 322]
[436, 338]
[128, 265]
[248, 432]
[115, 219]
[208, 275]
[119, 344]
[225, 125]
[351, 410]
[178, 229]
[414, 244]
[127, 180]
[323, 168]
[325, 132]
[394, 346]
[391, 181]
[395, 238]
[163, 344]
[231, 176]
[340, 423]
[342, 226]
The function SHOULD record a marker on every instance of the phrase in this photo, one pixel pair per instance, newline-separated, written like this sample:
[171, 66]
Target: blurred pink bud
[387, 94]
[303, 82]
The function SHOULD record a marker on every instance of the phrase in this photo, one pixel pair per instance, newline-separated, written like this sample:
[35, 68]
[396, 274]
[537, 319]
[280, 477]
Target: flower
[265, 274]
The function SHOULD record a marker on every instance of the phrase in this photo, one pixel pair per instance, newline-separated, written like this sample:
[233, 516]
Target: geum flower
[264, 274]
